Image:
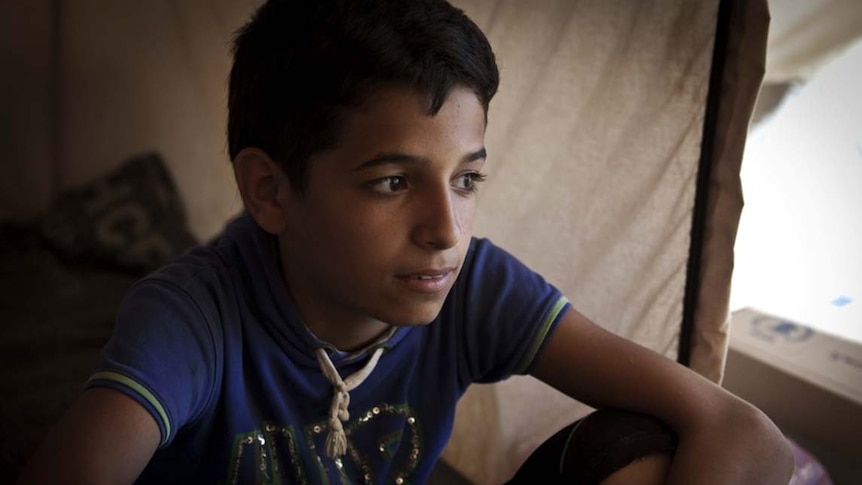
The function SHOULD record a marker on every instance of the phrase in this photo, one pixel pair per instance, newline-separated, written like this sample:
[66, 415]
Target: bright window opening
[799, 245]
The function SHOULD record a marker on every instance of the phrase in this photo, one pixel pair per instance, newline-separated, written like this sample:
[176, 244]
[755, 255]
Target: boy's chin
[415, 318]
[412, 322]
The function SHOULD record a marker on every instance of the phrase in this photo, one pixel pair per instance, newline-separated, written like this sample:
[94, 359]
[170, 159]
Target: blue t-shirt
[212, 346]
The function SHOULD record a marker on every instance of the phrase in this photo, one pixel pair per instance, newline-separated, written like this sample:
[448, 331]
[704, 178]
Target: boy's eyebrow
[398, 158]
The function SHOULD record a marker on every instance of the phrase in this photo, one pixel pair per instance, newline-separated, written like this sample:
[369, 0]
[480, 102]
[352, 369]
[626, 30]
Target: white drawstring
[336, 440]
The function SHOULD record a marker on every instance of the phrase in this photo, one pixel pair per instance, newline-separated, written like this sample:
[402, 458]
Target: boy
[329, 334]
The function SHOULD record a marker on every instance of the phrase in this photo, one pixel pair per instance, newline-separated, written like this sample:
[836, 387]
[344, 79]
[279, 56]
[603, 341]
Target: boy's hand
[722, 439]
[105, 438]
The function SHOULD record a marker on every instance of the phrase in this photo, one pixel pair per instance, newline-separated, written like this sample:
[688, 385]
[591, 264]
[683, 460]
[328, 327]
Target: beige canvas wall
[804, 35]
[593, 144]
[27, 63]
[100, 81]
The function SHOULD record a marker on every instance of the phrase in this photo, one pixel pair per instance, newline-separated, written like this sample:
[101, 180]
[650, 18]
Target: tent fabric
[144, 76]
[804, 35]
[26, 117]
[595, 144]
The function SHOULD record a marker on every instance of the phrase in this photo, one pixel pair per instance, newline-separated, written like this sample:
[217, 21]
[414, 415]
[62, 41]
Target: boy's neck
[349, 337]
[344, 332]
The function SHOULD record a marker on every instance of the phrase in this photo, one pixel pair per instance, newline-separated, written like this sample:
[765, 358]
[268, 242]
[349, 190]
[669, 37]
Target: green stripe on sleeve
[141, 390]
[541, 334]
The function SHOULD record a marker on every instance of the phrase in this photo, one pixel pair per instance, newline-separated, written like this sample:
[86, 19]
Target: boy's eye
[389, 185]
[469, 182]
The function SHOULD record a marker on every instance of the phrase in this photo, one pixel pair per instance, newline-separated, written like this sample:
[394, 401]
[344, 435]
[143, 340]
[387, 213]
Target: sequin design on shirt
[272, 455]
[265, 451]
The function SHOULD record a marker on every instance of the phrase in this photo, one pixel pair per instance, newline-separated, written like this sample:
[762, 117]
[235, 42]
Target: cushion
[130, 218]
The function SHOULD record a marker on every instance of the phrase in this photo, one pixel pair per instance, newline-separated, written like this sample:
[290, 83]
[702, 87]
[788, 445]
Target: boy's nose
[439, 224]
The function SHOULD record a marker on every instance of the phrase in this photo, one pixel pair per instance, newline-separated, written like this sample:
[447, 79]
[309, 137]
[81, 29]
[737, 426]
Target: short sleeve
[162, 353]
[508, 312]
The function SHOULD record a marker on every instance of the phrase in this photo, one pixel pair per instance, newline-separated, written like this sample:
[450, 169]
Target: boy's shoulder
[485, 255]
[208, 263]
[201, 263]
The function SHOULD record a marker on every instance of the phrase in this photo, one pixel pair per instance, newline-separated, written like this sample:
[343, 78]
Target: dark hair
[298, 64]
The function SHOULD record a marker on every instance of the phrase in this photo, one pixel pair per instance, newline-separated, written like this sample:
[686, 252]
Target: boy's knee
[606, 447]
[648, 470]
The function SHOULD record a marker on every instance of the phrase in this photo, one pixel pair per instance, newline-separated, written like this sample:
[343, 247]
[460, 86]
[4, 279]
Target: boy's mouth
[428, 281]
[427, 277]
[429, 274]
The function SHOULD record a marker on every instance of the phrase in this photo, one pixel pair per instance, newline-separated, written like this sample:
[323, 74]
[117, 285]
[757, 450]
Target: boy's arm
[722, 439]
[106, 437]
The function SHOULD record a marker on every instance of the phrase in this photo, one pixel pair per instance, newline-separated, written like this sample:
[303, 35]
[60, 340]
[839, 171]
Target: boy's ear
[260, 181]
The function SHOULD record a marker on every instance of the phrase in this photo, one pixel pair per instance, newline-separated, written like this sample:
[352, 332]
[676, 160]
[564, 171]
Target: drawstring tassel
[336, 439]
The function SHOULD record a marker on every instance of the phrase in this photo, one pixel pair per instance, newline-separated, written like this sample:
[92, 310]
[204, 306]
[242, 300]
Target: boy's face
[381, 231]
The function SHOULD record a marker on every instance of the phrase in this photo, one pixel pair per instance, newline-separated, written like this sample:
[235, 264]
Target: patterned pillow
[131, 218]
